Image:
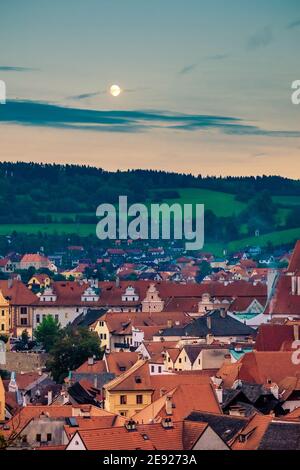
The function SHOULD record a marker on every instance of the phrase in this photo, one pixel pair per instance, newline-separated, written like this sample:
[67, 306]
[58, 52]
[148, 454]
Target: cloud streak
[260, 39]
[188, 69]
[294, 24]
[12, 68]
[33, 113]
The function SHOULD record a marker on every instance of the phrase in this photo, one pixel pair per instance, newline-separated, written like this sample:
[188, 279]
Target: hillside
[57, 199]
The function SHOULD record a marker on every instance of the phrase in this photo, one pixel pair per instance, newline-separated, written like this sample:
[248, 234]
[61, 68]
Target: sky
[206, 84]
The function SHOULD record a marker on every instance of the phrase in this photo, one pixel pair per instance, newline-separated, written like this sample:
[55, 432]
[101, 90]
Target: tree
[204, 270]
[48, 332]
[72, 348]
[24, 341]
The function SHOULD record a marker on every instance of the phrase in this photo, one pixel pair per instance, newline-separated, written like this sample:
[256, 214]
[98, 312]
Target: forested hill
[61, 200]
[75, 188]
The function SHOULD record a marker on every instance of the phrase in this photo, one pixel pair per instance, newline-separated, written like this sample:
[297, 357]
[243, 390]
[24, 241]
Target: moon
[115, 90]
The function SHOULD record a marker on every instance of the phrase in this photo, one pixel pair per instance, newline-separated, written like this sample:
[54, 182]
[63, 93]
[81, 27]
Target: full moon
[115, 90]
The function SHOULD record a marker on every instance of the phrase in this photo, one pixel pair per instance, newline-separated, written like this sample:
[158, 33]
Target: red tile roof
[185, 398]
[259, 367]
[271, 337]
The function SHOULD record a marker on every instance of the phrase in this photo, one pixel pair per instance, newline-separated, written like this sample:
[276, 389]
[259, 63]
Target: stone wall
[24, 361]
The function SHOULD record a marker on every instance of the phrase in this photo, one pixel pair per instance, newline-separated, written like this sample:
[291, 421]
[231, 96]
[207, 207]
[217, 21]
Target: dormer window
[48, 295]
[90, 295]
[130, 295]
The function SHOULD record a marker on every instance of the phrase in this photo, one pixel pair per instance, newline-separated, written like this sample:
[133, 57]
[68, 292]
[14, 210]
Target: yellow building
[39, 280]
[4, 315]
[102, 330]
[2, 401]
[129, 393]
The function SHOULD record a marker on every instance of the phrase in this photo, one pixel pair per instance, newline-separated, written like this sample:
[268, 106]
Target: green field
[222, 204]
[51, 229]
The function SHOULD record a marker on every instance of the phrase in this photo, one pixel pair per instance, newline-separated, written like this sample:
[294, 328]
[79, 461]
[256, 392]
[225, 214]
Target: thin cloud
[92, 94]
[294, 24]
[84, 96]
[218, 57]
[188, 69]
[12, 68]
[33, 113]
[260, 39]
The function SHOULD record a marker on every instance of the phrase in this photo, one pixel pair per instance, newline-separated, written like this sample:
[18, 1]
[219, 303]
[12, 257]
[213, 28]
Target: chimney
[49, 397]
[296, 332]
[209, 339]
[117, 281]
[219, 393]
[95, 381]
[298, 285]
[223, 312]
[167, 423]
[227, 359]
[9, 283]
[169, 405]
[162, 392]
[130, 425]
[90, 361]
[294, 285]
[208, 322]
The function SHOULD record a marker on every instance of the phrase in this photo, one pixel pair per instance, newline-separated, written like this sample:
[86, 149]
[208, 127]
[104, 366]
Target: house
[274, 337]
[267, 433]
[216, 325]
[28, 386]
[138, 387]
[6, 265]
[100, 372]
[179, 403]
[227, 427]
[20, 304]
[127, 330]
[247, 398]
[39, 281]
[35, 260]
[196, 357]
[167, 435]
[35, 426]
[260, 367]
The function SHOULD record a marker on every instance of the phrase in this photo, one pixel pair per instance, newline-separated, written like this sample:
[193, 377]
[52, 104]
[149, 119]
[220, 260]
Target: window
[180, 360]
[3, 313]
[159, 369]
[56, 317]
[2, 327]
[123, 399]
[152, 369]
[23, 321]
[49, 437]
[23, 310]
[139, 399]
[123, 413]
[38, 318]
[38, 438]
